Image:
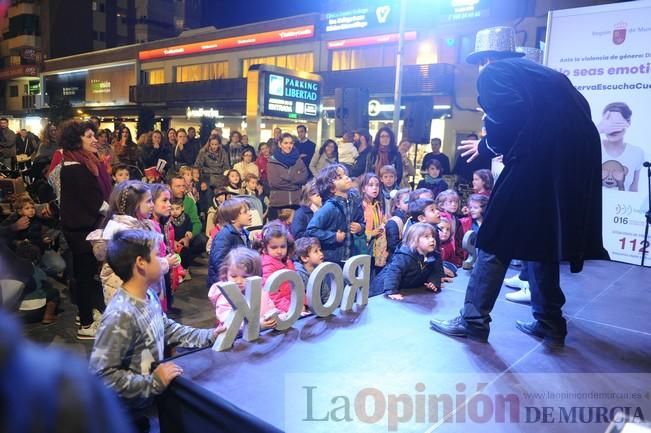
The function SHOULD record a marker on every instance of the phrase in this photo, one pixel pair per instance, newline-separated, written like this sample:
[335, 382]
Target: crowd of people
[286, 205]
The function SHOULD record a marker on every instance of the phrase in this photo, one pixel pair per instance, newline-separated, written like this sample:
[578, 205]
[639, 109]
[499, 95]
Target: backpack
[402, 227]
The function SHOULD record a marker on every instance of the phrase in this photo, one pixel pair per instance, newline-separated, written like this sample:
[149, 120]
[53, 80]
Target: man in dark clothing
[437, 155]
[306, 147]
[541, 124]
[7, 144]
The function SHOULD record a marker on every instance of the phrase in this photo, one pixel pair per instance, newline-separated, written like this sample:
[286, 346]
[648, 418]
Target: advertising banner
[605, 52]
[290, 96]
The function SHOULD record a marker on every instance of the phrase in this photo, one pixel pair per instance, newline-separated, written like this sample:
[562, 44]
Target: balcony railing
[435, 79]
[227, 89]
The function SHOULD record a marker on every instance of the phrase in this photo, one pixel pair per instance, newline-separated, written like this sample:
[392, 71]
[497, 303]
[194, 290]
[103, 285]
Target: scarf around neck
[286, 159]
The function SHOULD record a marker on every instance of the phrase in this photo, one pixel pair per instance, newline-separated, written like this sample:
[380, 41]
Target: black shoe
[456, 328]
[535, 329]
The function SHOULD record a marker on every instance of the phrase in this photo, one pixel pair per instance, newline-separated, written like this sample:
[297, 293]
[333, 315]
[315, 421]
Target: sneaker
[516, 283]
[87, 332]
[97, 317]
[521, 296]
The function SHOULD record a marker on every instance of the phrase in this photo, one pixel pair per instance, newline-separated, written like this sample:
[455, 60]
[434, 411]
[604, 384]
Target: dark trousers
[486, 280]
[87, 289]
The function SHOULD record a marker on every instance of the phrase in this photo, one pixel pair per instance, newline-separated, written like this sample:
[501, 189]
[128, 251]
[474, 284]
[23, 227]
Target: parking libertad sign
[290, 96]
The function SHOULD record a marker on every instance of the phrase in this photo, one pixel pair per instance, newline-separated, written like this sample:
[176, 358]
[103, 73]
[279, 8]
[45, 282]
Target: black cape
[546, 204]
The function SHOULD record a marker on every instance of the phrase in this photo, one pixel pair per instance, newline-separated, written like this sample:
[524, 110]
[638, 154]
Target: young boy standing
[308, 256]
[340, 219]
[134, 330]
[388, 177]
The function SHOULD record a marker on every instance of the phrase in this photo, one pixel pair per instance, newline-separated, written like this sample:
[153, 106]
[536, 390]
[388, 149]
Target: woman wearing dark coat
[546, 205]
[85, 189]
[287, 174]
[385, 152]
[154, 149]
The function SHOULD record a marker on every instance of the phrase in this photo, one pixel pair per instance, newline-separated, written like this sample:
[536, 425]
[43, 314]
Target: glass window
[201, 72]
[155, 76]
[13, 91]
[370, 57]
[297, 62]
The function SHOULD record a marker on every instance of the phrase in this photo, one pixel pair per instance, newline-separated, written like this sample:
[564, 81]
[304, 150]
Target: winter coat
[437, 185]
[320, 161]
[285, 182]
[99, 240]
[262, 164]
[245, 168]
[151, 155]
[282, 299]
[188, 155]
[213, 165]
[235, 152]
[7, 143]
[336, 214]
[227, 239]
[395, 159]
[552, 166]
[301, 219]
[408, 269]
[324, 290]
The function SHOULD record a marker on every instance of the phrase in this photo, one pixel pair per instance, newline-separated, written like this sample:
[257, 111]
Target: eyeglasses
[385, 136]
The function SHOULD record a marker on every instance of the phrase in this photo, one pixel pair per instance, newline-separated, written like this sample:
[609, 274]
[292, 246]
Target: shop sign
[370, 40]
[34, 87]
[196, 113]
[459, 10]
[290, 96]
[284, 35]
[359, 18]
[99, 86]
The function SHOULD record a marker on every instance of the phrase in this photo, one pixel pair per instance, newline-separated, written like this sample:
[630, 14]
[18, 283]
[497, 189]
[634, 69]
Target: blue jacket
[336, 214]
[408, 269]
[302, 218]
[224, 241]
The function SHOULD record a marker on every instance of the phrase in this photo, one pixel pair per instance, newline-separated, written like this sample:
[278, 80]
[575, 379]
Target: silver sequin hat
[533, 54]
[494, 42]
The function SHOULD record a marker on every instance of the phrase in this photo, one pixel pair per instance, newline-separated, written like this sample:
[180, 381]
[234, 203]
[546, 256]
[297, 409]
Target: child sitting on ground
[307, 257]
[423, 210]
[449, 252]
[340, 220]
[134, 330]
[476, 206]
[239, 264]
[416, 263]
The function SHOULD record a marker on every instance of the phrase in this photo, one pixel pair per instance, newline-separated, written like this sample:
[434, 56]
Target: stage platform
[382, 369]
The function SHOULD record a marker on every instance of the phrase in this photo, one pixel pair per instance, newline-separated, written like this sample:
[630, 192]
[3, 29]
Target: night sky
[229, 13]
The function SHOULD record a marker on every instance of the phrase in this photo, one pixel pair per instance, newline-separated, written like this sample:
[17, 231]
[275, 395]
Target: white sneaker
[521, 296]
[88, 332]
[97, 317]
[516, 283]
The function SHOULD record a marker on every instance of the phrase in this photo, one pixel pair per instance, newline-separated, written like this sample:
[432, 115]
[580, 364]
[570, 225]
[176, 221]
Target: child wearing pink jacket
[239, 264]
